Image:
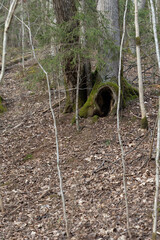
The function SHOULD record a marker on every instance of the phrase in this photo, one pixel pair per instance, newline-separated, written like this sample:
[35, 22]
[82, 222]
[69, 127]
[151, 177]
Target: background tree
[155, 33]
[107, 42]
[103, 97]
[144, 123]
[6, 27]
[65, 12]
[109, 10]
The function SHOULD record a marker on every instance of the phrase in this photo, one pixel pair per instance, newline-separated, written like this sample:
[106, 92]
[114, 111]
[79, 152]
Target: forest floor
[95, 202]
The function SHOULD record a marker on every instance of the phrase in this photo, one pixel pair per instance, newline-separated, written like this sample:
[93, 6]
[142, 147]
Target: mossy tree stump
[103, 98]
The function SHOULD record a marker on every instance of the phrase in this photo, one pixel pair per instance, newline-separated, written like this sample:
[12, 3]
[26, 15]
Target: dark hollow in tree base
[105, 101]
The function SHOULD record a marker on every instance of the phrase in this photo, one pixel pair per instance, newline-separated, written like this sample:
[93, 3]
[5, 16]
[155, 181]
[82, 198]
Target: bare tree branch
[118, 120]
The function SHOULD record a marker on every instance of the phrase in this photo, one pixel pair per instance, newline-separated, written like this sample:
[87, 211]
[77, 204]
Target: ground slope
[95, 204]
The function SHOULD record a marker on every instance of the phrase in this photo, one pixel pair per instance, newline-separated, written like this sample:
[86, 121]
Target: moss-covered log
[103, 97]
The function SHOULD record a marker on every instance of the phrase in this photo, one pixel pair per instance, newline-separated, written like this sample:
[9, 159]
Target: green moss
[129, 92]
[89, 107]
[95, 118]
[133, 119]
[144, 123]
[80, 104]
[107, 142]
[71, 160]
[154, 236]
[73, 120]
[2, 108]
[113, 85]
[27, 157]
[5, 184]
[138, 41]
[54, 196]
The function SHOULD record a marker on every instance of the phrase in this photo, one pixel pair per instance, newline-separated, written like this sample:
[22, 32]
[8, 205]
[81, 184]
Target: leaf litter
[95, 204]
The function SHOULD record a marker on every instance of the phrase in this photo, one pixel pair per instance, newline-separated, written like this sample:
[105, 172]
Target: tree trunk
[22, 27]
[155, 33]
[6, 27]
[87, 64]
[141, 4]
[65, 11]
[109, 9]
[144, 123]
[132, 42]
[103, 97]
[155, 213]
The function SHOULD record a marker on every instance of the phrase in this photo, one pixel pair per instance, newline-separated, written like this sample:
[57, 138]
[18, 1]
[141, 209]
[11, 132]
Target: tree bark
[22, 27]
[6, 27]
[65, 11]
[109, 9]
[87, 64]
[118, 121]
[141, 4]
[155, 213]
[144, 123]
[132, 42]
[103, 97]
[155, 33]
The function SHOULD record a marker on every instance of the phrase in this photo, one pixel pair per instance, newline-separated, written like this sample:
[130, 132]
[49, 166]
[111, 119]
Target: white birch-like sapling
[6, 27]
[156, 179]
[118, 121]
[144, 122]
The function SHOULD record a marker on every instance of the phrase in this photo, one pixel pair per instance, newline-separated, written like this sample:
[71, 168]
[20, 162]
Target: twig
[125, 154]
[25, 203]
[102, 164]
[118, 120]
[137, 144]
[77, 93]
[16, 209]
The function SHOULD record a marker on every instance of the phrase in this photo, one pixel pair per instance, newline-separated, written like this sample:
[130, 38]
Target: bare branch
[118, 120]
